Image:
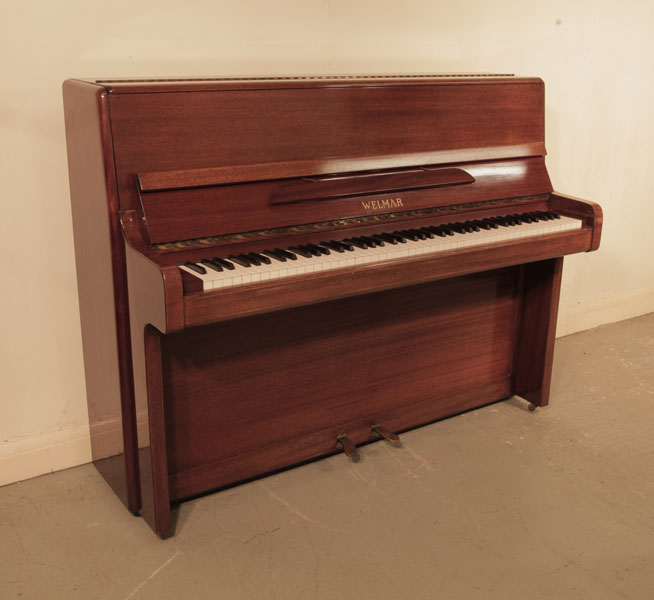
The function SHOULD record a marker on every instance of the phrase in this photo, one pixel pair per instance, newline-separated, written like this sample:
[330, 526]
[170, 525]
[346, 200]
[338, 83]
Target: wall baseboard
[36, 455]
[583, 316]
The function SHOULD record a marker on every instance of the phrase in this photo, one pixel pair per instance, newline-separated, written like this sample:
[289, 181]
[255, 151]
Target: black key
[252, 258]
[554, 215]
[448, 230]
[436, 231]
[196, 268]
[425, 231]
[500, 221]
[399, 237]
[332, 246]
[472, 226]
[489, 224]
[313, 250]
[457, 227]
[319, 249]
[505, 221]
[519, 218]
[287, 254]
[407, 234]
[343, 244]
[421, 234]
[371, 240]
[260, 257]
[275, 254]
[253, 261]
[301, 251]
[382, 238]
[239, 260]
[212, 265]
[224, 263]
[359, 243]
[482, 224]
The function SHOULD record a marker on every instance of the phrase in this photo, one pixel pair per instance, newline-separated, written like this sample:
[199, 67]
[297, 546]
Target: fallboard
[226, 207]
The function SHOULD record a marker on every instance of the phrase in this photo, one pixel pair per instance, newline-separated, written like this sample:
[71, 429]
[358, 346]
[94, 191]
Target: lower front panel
[248, 396]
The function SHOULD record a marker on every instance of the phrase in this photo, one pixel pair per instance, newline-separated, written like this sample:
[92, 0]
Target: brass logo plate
[382, 204]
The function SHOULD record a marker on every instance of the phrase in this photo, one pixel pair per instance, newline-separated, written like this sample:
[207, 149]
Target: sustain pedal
[386, 434]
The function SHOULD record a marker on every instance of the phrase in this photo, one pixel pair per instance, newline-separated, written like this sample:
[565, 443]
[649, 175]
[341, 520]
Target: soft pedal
[348, 446]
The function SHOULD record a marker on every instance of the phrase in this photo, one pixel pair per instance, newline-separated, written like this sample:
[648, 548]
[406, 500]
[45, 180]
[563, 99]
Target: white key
[340, 260]
[206, 278]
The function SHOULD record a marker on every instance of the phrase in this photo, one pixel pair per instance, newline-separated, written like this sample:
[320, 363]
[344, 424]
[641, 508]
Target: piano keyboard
[222, 272]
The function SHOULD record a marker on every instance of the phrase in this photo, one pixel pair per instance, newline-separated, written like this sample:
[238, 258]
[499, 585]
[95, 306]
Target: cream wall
[595, 57]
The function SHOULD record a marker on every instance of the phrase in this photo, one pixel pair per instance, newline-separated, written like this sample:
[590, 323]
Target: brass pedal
[386, 434]
[348, 446]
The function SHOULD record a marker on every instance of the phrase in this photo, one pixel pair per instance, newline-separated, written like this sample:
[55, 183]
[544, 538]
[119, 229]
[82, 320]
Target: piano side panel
[102, 289]
[172, 130]
[256, 394]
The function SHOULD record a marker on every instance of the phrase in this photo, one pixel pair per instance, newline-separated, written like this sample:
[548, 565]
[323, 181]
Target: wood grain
[205, 211]
[248, 384]
[102, 289]
[212, 475]
[211, 388]
[156, 504]
[534, 347]
[221, 128]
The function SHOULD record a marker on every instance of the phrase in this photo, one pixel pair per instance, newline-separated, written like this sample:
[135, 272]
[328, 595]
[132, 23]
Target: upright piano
[276, 269]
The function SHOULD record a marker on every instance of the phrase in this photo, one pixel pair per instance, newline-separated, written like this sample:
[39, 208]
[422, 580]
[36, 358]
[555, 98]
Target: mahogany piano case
[272, 270]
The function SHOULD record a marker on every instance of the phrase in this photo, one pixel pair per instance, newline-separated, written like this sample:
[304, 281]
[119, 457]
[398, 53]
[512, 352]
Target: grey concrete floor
[495, 503]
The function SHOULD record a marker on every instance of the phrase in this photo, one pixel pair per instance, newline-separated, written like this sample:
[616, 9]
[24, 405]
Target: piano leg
[540, 284]
[153, 457]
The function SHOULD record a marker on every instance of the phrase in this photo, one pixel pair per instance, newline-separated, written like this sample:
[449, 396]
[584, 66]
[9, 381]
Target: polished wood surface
[216, 387]
[362, 350]
[213, 210]
[540, 284]
[287, 124]
[102, 288]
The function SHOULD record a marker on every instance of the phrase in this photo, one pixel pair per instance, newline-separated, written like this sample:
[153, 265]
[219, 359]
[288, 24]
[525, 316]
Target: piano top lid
[169, 84]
